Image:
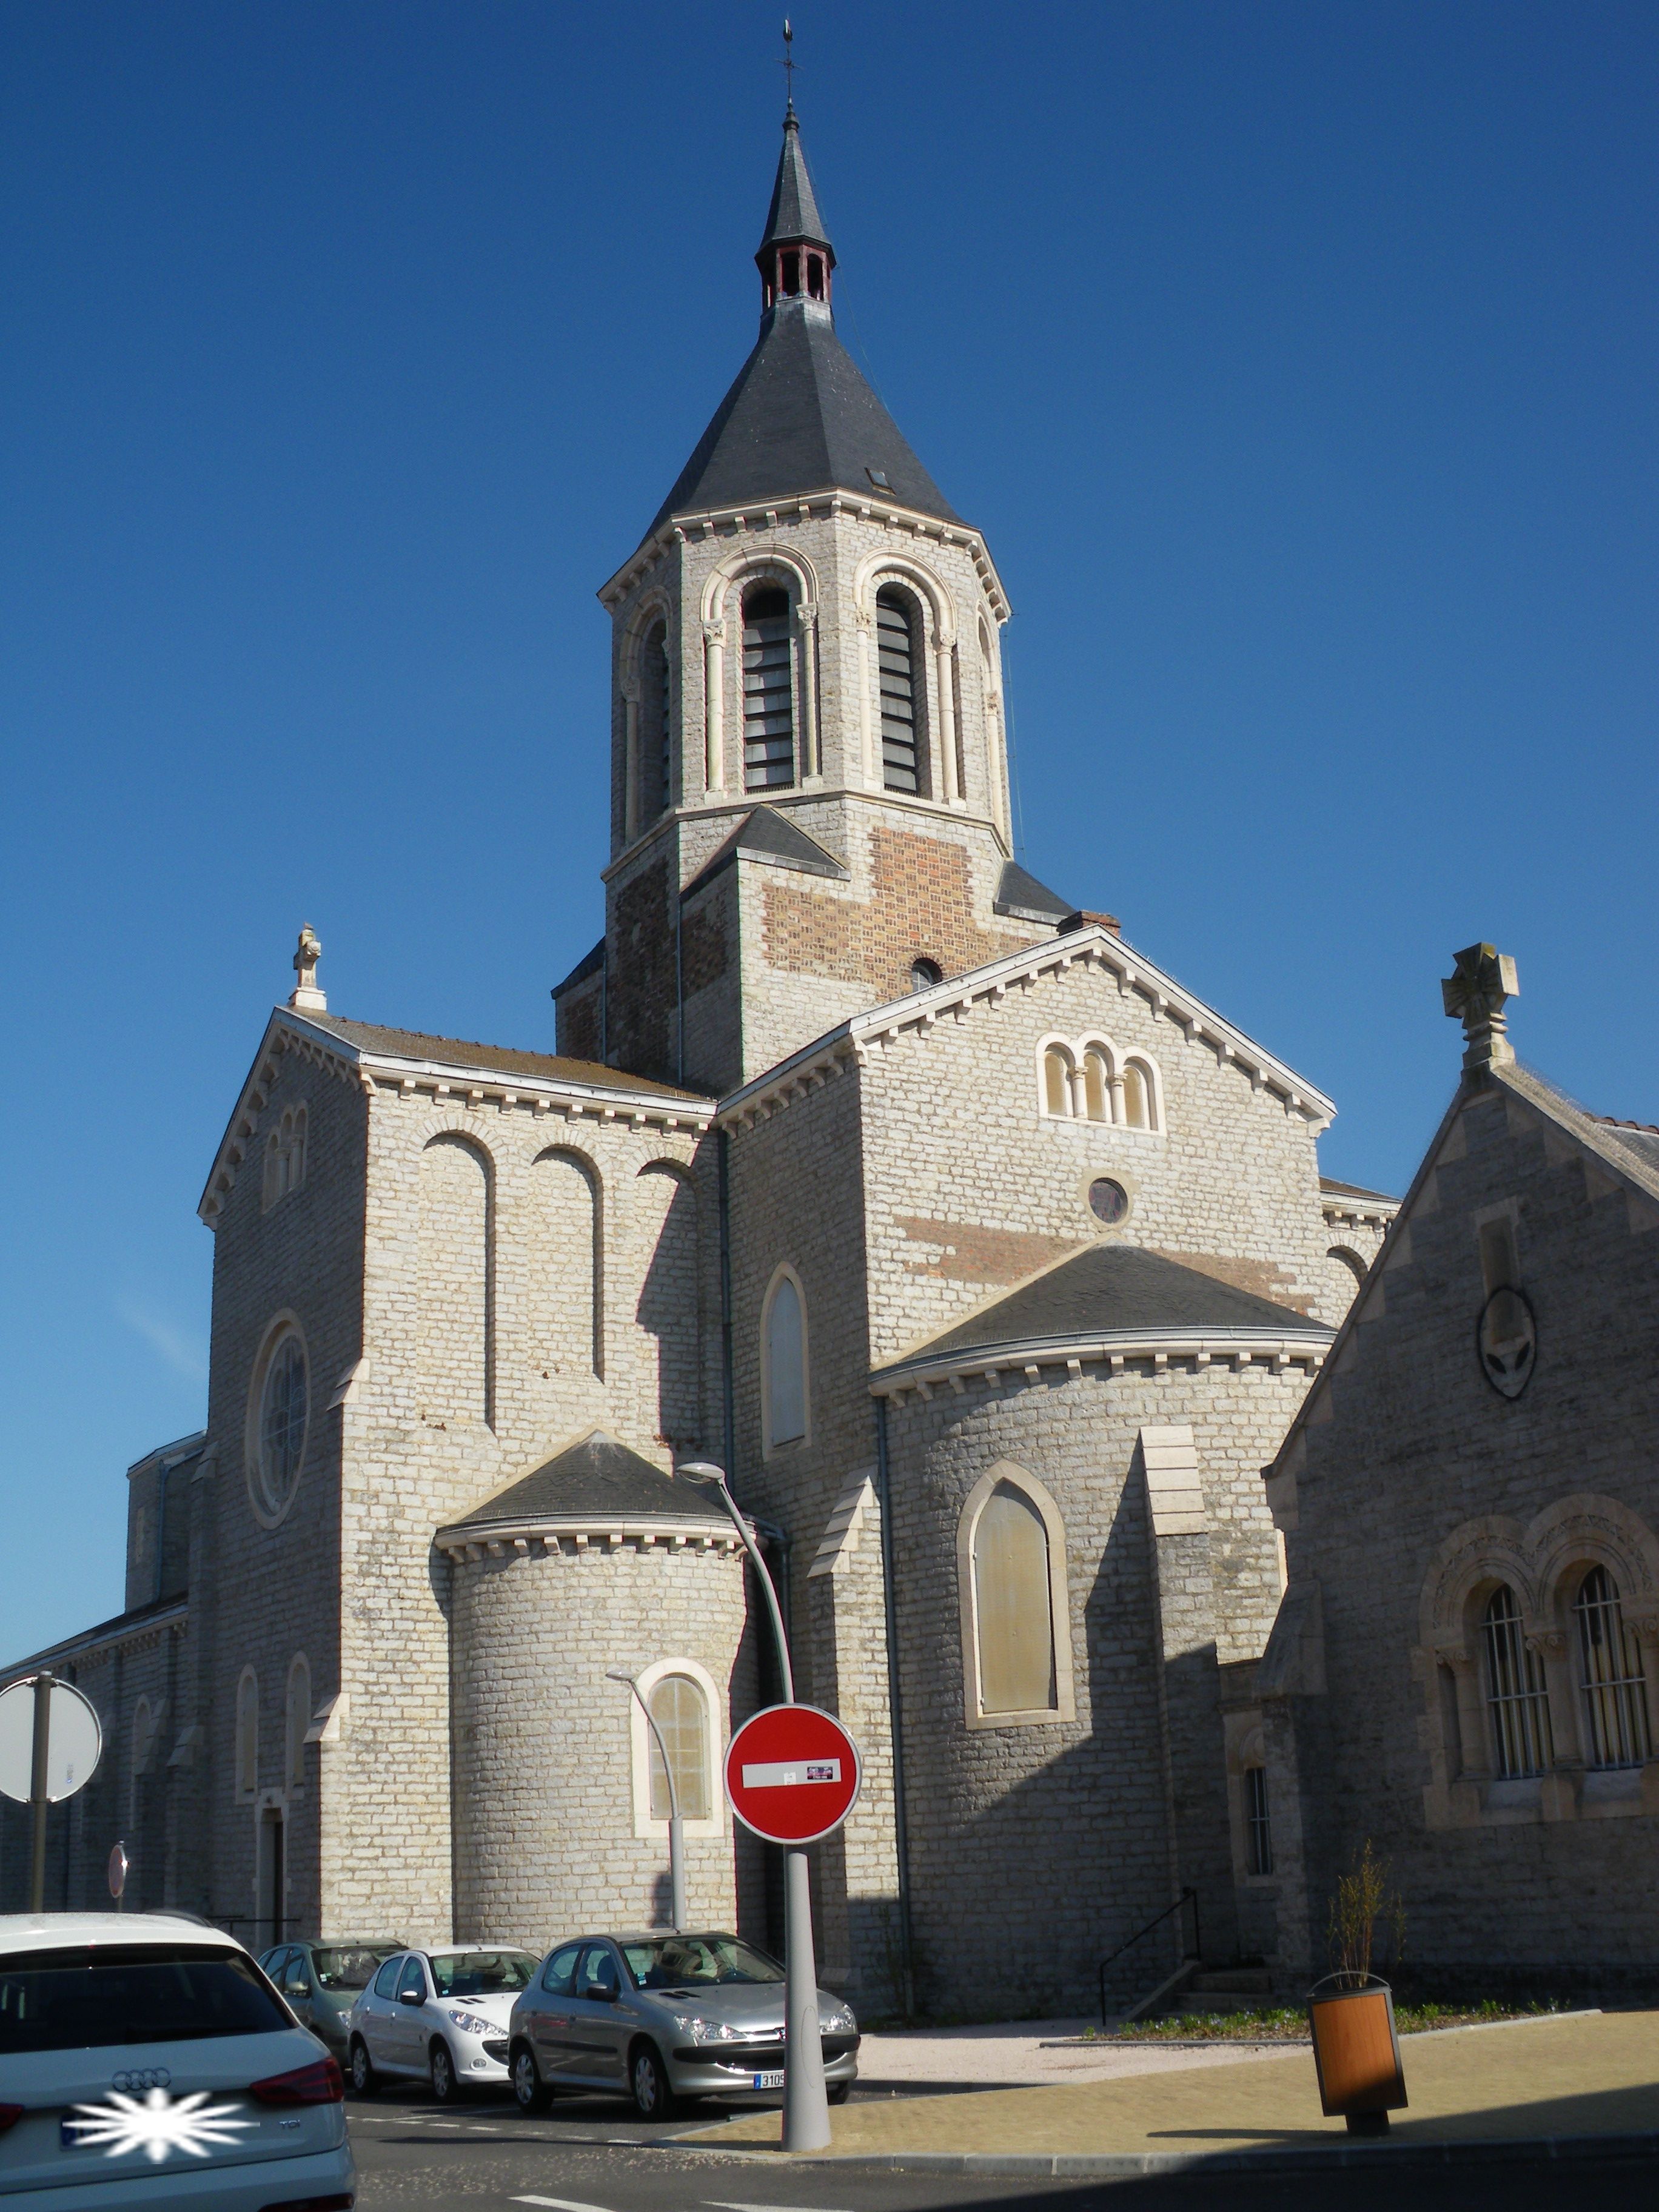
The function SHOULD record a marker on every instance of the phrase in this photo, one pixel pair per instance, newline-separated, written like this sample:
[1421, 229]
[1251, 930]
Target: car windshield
[83, 1999]
[348, 1966]
[481, 1973]
[690, 1962]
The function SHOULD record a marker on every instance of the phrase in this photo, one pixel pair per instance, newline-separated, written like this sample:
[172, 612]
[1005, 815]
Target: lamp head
[700, 1471]
[616, 1674]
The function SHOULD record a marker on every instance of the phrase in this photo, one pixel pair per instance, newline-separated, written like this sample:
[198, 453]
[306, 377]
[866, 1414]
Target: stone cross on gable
[1482, 981]
[306, 997]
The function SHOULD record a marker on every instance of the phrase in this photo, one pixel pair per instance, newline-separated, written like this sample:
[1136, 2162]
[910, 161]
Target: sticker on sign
[792, 1774]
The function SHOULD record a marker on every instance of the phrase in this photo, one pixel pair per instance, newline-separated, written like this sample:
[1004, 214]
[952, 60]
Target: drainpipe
[895, 1712]
[728, 1403]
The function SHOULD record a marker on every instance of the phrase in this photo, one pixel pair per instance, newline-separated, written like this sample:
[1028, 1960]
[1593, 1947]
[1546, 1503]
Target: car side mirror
[607, 1996]
[410, 1996]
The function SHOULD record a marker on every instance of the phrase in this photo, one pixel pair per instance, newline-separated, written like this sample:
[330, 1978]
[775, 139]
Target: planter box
[1356, 2054]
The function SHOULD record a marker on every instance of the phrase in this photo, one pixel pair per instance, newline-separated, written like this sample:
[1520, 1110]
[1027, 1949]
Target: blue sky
[1298, 362]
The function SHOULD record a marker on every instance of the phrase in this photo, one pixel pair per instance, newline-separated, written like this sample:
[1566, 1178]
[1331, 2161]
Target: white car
[441, 2015]
[145, 2062]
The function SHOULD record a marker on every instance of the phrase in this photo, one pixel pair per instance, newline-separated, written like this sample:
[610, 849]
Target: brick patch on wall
[971, 1254]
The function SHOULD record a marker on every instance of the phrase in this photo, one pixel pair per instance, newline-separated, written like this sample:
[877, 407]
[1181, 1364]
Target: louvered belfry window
[768, 718]
[899, 660]
[655, 730]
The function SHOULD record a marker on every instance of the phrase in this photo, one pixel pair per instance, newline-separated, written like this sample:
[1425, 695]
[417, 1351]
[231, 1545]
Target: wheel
[532, 2094]
[649, 2079]
[361, 2067]
[839, 2092]
[444, 2086]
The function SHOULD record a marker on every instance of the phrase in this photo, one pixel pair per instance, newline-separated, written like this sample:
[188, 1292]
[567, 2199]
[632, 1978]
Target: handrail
[1186, 1897]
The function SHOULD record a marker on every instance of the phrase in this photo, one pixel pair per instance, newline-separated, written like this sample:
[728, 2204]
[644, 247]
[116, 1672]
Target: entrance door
[272, 1880]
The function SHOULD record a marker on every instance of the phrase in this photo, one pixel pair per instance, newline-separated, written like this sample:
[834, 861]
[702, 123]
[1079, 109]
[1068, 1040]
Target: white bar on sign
[779, 1774]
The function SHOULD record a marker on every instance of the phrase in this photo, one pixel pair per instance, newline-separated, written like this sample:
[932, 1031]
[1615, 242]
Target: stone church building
[992, 1264]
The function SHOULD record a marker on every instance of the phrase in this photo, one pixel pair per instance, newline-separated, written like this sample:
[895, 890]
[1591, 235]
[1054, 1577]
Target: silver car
[442, 2014]
[658, 2017]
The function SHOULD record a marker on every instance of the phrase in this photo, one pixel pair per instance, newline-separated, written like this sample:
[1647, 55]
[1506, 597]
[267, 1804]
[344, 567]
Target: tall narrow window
[1057, 1081]
[143, 1735]
[296, 1721]
[1137, 1097]
[1615, 1691]
[1013, 1605]
[899, 661]
[247, 1733]
[1515, 1692]
[768, 714]
[1097, 1085]
[786, 1365]
[1258, 1829]
[656, 736]
[678, 1708]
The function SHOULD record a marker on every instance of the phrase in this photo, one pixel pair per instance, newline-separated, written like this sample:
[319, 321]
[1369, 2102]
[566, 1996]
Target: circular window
[1108, 1200]
[284, 1403]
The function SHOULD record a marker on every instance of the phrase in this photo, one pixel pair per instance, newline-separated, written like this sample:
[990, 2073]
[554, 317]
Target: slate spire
[795, 255]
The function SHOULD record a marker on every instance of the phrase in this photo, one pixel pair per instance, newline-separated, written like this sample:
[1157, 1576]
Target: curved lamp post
[676, 1826]
[805, 2106]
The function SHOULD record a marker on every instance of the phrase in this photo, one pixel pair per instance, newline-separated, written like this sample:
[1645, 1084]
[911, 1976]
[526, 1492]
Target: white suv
[145, 2061]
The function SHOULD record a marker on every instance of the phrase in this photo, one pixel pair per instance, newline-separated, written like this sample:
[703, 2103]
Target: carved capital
[807, 613]
[1457, 1656]
[1644, 1627]
[1551, 1640]
[713, 633]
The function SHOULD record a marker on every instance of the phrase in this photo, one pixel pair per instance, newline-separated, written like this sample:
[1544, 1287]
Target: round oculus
[283, 1406]
[1108, 1200]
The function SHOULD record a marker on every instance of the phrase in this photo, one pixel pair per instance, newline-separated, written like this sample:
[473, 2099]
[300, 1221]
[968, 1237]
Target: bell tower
[809, 773]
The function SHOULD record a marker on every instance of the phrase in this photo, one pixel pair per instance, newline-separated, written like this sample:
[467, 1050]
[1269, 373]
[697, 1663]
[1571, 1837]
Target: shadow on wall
[671, 1303]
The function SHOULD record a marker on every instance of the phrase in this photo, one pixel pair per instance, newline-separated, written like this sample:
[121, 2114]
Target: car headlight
[470, 2024]
[705, 2031]
[838, 2020]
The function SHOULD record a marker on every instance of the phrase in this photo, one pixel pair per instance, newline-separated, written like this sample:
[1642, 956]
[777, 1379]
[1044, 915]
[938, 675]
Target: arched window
[1137, 1096]
[1013, 1606]
[680, 1713]
[656, 730]
[924, 973]
[1098, 1084]
[1515, 1694]
[1057, 1081]
[296, 1721]
[285, 1156]
[785, 1377]
[768, 714]
[898, 657]
[1610, 1661]
[247, 1733]
[143, 1735]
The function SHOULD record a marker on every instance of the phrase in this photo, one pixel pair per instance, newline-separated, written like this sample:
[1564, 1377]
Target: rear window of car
[348, 1966]
[481, 1973]
[84, 1999]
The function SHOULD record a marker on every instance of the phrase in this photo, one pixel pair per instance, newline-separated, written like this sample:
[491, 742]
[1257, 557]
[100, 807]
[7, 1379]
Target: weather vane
[789, 65]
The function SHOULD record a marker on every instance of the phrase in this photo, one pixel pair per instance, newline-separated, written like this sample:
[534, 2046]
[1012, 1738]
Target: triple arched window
[1088, 1079]
[285, 1156]
[1016, 1629]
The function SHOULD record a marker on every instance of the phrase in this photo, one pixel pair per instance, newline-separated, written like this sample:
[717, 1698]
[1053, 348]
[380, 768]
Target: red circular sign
[792, 1774]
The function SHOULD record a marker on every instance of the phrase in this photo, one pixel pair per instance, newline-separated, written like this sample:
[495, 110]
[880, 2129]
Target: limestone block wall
[597, 1281]
[545, 1804]
[1417, 1489]
[1063, 1835]
[971, 1188]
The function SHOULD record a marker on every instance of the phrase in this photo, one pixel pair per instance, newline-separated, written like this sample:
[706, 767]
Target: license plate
[72, 2135]
[768, 2080]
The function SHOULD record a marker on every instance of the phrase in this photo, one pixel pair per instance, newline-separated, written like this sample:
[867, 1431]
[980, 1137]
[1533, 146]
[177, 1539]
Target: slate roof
[455, 1052]
[589, 965]
[597, 1480]
[1335, 1189]
[794, 214]
[766, 835]
[1020, 894]
[1638, 1137]
[1113, 1290]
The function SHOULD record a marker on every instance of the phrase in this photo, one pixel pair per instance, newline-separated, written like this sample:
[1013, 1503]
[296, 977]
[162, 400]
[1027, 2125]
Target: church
[992, 1264]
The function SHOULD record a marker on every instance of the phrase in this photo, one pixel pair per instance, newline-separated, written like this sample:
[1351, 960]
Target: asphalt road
[588, 2156]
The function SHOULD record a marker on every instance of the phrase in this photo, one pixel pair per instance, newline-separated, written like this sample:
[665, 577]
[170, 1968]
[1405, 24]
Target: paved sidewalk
[1032, 2053]
[1595, 2075]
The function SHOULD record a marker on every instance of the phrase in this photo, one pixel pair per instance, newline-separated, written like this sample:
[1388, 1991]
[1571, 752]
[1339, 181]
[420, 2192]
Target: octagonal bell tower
[809, 775]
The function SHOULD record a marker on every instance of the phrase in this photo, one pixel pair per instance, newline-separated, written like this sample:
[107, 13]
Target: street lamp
[805, 2106]
[676, 1826]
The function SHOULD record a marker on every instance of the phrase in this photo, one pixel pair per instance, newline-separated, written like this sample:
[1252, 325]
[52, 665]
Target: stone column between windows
[631, 763]
[1115, 1106]
[945, 688]
[806, 617]
[867, 769]
[714, 693]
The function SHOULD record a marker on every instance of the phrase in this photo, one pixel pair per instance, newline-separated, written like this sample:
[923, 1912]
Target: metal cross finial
[1475, 993]
[789, 65]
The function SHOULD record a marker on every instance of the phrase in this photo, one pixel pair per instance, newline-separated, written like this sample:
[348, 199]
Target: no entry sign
[792, 1774]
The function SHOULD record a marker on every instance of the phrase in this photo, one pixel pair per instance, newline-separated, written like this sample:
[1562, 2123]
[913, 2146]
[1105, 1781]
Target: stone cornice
[1146, 1350]
[1358, 1212]
[549, 1534]
[457, 1083]
[764, 519]
[853, 1042]
[153, 1623]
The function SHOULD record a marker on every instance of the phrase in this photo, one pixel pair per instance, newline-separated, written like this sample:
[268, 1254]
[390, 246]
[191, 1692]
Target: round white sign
[73, 1745]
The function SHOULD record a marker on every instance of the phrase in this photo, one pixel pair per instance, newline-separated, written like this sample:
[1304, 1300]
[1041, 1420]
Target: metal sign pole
[805, 2101]
[40, 1784]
